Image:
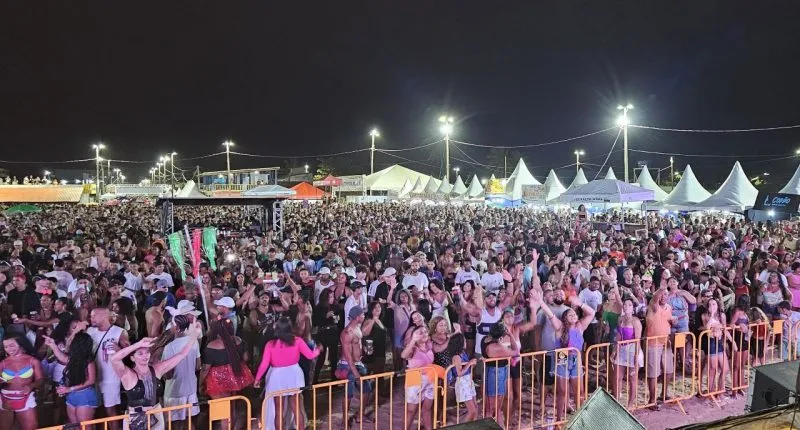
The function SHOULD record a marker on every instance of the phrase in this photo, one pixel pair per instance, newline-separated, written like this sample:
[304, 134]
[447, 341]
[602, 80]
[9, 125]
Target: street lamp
[152, 174]
[578, 153]
[672, 171]
[372, 134]
[46, 174]
[159, 174]
[172, 172]
[456, 169]
[306, 167]
[446, 128]
[227, 144]
[623, 122]
[115, 170]
[97, 147]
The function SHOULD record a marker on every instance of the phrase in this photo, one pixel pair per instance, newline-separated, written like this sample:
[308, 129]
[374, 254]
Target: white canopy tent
[686, 193]
[459, 187]
[646, 181]
[793, 186]
[419, 186]
[610, 173]
[406, 190]
[520, 176]
[735, 195]
[392, 179]
[431, 186]
[269, 191]
[552, 187]
[580, 179]
[444, 187]
[190, 190]
[607, 191]
[475, 189]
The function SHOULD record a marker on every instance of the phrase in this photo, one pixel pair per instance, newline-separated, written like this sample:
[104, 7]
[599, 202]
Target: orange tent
[306, 191]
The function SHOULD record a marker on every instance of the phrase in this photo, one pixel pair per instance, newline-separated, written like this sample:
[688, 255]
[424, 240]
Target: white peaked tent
[552, 186]
[686, 193]
[458, 187]
[431, 186]
[580, 179]
[406, 190]
[610, 174]
[646, 181]
[520, 176]
[607, 191]
[190, 190]
[419, 186]
[444, 187]
[475, 188]
[736, 193]
[793, 186]
[392, 178]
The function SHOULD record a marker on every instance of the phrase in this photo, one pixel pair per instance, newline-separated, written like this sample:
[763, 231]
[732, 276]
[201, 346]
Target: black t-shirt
[23, 302]
[275, 265]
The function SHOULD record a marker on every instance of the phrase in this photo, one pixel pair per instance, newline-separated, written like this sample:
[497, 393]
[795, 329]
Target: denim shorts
[496, 381]
[568, 367]
[86, 397]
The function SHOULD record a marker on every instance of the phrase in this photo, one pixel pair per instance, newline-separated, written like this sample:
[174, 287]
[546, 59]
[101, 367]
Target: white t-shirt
[105, 373]
[492, 281]
[591, 298]
[420, 280]
[166, 277]
[464, 276]
[64, 278]
[133, 281]
[184, 379]
[319, 287]
[350, 303]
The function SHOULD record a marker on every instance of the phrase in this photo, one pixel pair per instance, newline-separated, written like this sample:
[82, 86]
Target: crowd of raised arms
[98, 321]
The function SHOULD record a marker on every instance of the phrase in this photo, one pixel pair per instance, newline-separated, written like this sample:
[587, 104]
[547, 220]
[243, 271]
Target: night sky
[306, 78]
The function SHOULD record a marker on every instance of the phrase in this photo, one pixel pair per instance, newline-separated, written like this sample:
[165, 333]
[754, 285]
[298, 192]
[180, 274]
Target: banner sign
[533, 193]
[351, 183]
[777, 202]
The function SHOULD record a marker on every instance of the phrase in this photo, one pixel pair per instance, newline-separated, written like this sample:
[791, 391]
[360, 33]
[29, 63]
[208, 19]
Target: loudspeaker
[484, 424]
[771, 385]
[602, 411]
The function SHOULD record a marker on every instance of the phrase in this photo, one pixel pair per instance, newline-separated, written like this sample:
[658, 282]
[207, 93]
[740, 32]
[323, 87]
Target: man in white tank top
[486, 308]
[107, 340]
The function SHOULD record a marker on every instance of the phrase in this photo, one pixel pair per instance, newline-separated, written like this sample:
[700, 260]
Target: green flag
[176, 249]
[210, 246]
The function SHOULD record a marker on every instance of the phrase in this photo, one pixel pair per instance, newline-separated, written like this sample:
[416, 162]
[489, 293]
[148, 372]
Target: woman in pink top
[419, 354]
[793, 279]
[281, 357]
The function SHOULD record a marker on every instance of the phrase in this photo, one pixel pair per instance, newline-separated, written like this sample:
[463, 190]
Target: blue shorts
[343, 371]
[496, 381]
[568, 367]
[86, 398]
[716, 346]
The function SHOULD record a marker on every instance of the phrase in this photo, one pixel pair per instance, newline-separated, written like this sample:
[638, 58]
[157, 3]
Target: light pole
[446, 129]
[172, 172]
[578, 153]
[160, 171]
[306, 167]
[97, 147]
[46, 174]
[623, 122]
[227, 144]
[373, 134]
[152, 175]
[672, 171]
[456, 169]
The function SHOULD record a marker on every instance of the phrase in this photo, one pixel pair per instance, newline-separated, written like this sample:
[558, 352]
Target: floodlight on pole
[306, 167]
[97, 147]
[372, 134]
[447, 129]
[172, 172]
[623, 121]
[578, 153]
[227, 144]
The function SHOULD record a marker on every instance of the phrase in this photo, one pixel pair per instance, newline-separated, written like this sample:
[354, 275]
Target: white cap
[17, 243]
[225, 301]
[389, 272]
[324, 271]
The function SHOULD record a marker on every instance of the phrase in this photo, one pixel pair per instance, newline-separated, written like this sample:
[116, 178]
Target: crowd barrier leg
[661, 362]
[620, 373]
[369, 393]
[329, 388]
[776, 345]
[714, 349]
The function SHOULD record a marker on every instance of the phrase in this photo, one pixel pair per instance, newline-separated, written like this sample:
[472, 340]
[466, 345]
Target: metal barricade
[714, 366]
[661, 362]
[750, 349]
[418, 382]
[618, 373]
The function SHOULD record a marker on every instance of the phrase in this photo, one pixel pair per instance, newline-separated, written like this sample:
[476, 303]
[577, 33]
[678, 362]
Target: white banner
[351, 183]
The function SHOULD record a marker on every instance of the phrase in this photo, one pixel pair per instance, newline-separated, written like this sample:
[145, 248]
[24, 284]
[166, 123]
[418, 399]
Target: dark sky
[306, 78]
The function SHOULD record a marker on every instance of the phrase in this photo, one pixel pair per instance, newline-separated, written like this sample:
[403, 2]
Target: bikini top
[25, 373]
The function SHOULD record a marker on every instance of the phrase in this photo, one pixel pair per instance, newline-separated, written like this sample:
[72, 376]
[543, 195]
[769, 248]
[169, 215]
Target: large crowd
[97, 319]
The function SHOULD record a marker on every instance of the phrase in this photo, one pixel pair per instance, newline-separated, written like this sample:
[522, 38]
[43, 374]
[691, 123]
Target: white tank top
[484, 325]
[103, 352]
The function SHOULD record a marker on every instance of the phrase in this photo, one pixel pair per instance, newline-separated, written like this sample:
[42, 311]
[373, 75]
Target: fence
[682, 363]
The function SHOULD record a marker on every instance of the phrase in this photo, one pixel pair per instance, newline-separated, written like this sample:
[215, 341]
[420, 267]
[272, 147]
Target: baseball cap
[356, 284]
[324, 271]
[389, 272]
[355, 312]
[17, 243]
[647, 278]
[225, 301]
